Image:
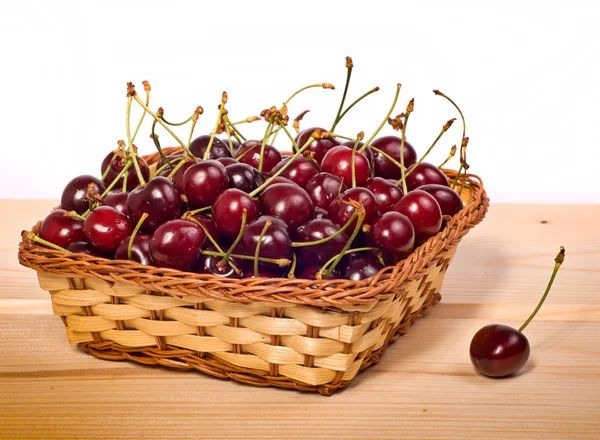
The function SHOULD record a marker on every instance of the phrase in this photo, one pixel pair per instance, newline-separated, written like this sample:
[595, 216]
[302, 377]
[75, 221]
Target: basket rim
[322, 293]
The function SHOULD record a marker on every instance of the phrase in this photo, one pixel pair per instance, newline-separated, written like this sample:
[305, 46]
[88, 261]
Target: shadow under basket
[291, 333]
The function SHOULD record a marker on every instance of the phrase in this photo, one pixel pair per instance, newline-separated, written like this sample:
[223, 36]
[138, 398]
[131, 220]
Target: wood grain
[425, 386]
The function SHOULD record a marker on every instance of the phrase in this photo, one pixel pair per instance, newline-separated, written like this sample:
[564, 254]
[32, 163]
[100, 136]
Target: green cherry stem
[130, 146]
[214, 132]
[409, 110]
[268, 223]
[267, 135]
[181, 163]
[154, 138]
[237, 239]
[236, 133]
[137, 128]
[288, 134]
[293, 267]
[357, 228]
[32, 237]
[326, 239]
[114, 156]
[281, 262]
[319, 274]
[133, 234]
[360, 98]
[368, 142]
[177, 124]
[450, 156]
[349, 67]
[170, 165]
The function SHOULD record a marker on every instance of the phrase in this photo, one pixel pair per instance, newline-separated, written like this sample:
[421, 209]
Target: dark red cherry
[425, 174]
[117, 200]
[448, 199]
[499, 350]
[74, 195]
[83, 247]
[310, 273]
[394, 232]
[227, 211]
[235, 144]
[210, 264]
[288, 202]
[226, 161]
[391, 146]
[242, 176]
[386, 193]
[177, 178]
[340, 211]
[315, 230]
[176, 244]
[320, 213]
[218, 148]
[106, 228]
[323, 188]
[423, 212]
[299, 172]
[140, 249]
[249, 153]
[203, 182]
[116, 166]
[359, 266]
[319, 147]
[338, 161]
[159, 199]
[60, 229]
[275, 242]
[209, 226]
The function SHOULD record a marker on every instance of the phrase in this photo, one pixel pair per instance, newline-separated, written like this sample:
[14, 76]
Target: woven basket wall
[302, 334]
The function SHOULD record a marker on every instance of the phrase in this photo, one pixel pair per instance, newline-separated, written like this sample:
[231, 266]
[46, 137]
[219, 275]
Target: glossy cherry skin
[118, 200]
[391, 145]
[83, 247]
[275, 243]
[60, 229]
[448, 199]
[74, 195]
[210, 264]
[203, 182]
[424, 174]
[394, 232]
[280, 179]
[386, 193]
[499, 350]
[319, 254]
[226, 161]
[319, 147]
[339, 212]
[338, 161]
[244, 177]
[106, 228]
[117, 165]
[249, 153]
[310, 273]
[227, 211]
[288, 202]
[423, 212]
[359, 266]
[176, 244]
[140, 249]
[218, 148]
[177, 178]
[208, 226]
[323, 188]
[159, 199]
[299, 172]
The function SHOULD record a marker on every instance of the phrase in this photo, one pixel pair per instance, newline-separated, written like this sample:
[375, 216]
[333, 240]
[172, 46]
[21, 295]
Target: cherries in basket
[337, 206]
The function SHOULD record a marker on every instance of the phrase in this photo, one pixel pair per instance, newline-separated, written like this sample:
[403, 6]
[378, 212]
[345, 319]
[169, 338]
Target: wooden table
[425, 386]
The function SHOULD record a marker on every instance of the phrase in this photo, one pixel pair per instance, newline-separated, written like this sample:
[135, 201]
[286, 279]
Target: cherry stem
[214, 132]
[178, 166]
[237, 239]
[189, 217]
[31, 236]
[268, 223]
[349, 67]
[361, 218]
[154, 137]
[124, 186]
[293, 268]
[247, 120]
[326, 239]
[169, 165]
[335, 135]
[557, 262]
[281, 262]
[236, 132]
[133, 234]
[200, 210]
[387, 156]
[409, 109]
[74, 214]
[398, 87]
[130, 146]
[114, 156]
[177, 124]
[319, 274]
[111, 186]
[228, 131]
[289, 135]
[450, 156]
[267, 135]
[137, 129]
[360, 98]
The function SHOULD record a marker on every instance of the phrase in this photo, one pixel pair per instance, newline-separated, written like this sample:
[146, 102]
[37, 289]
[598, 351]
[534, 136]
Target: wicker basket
[290, 333]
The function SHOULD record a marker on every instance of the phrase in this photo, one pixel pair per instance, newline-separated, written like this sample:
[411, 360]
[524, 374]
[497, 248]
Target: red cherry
[209, 226]
[299, 172]
[391, 146]
[323, 188]
[318, 254]
[217, 149]
[117, 200]
[319, 147]
[338, 161]
[424, 174]
[116, 166]
[228, 208]
[203, 182]
[275, 242]
[226, 161]
[159, 199]
[499, 350]
[60, 229]
[448, 199]
[106, 228]
[340, 211]
[83, 247]
[386, 194]
[249, 153]
[177, 178]
[394, 232]
[423, 212]
[210, 264]
[140, 249]
[288, 202]
[74, 195]
[176, 244]
[358, 266]
[243, 176]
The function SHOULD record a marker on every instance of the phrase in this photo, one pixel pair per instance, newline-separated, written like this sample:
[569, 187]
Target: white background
[526, 75]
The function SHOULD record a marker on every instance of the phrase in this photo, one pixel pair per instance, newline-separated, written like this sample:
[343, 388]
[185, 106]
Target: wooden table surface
[425, 386]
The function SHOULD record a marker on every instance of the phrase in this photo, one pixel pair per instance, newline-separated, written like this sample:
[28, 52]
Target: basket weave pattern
[304, 334]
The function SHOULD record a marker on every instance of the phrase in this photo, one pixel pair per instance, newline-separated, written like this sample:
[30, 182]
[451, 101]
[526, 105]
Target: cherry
[320, 213]
[234, 143]
[159, 199]
[358, 266]
[391, 146]
[106, 228]
[280, 179]
[74, 196]
[249, 153]
[140, 249]
[448, 199]
[315, 230]
[209, 226]
[176, 244]
[299, 172]
[226, 161]
[177, 177]
[275, 242]
[423, 212]
[211, 264]
[338, 161]
[323, 188]
[424, 174]
[228, 208]
[310, 273]
[386, 193]
[340, 210]
[319, 146]
[83, 247]
[393, 232]
[116, 166]
[203, 182]
[244, 177]
[60, 229]
[117, 200]
[499, 350]
[217, 149]
[288, 202]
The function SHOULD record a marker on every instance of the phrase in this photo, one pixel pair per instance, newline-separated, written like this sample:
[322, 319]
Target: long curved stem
[368, 142]
[268, 223]
[147, 90]
[133, 234]
[130, 146]
[349, 67]
[360, 98]
[237, 239]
